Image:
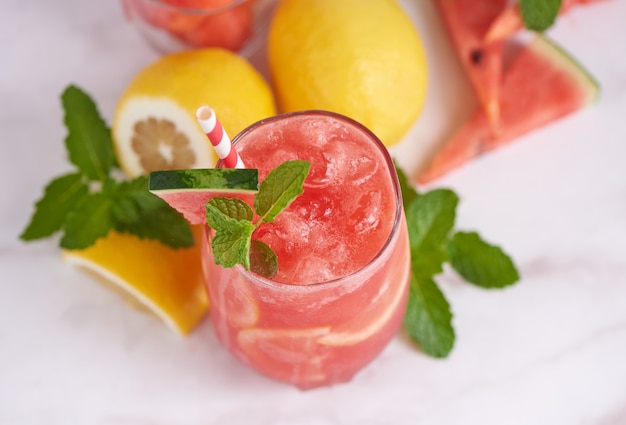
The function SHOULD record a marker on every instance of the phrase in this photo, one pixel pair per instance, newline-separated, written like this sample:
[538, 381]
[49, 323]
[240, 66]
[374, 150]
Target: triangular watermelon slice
[188, 191]
[467, 22]
[510, 20]
[542, 84]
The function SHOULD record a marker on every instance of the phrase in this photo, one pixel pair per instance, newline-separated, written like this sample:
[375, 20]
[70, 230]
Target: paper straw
[218, 138]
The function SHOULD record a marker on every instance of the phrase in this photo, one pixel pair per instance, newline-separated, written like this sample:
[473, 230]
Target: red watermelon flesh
[188, 191]
[191, 203]
[542, 84]
[229, 29]
[510, 20]
[467, 22]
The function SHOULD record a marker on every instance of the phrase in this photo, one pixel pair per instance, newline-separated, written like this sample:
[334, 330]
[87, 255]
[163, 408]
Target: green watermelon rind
[560, 57]
[188, 191]
[205, 178]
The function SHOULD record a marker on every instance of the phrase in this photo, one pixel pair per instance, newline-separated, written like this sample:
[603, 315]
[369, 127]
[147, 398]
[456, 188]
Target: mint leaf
[430, 218]
[125, 211]
[263, 259]
[479, 262]
[143, 214]
[126, 208]
[428, 319]
[429, 261]
[59, 198]
[88, 221]
[217, 213]
[408, 191]
[231, 245]
[231, 242]
[234, 208]
[160, 223]
[89, 139]
[281, 186]
[539, 15]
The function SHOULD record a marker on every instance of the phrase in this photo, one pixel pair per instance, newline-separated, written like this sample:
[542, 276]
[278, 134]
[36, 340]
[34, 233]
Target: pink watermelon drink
[344, 263]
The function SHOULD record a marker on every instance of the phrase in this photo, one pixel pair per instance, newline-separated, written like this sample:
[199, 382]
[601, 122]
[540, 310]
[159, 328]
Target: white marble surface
[551, 350]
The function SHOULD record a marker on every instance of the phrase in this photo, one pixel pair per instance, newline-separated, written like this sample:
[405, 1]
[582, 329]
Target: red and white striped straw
[218, 138]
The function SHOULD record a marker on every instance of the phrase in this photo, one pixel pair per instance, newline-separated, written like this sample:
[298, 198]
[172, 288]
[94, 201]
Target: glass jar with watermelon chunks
[173, 25]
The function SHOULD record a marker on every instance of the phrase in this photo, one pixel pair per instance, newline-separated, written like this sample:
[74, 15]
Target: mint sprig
[434, 241]
[539, 15]
[89, 202]
[232, 219]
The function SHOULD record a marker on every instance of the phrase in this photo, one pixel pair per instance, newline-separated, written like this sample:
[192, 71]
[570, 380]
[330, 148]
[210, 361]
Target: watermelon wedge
[467, 22]
[510, 20]
[542, 84]
[188, 191]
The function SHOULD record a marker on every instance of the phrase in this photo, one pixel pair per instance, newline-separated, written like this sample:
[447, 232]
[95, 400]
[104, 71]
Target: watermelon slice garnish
[188, 191]
[542, 84]
[467, 22]
[510, 20]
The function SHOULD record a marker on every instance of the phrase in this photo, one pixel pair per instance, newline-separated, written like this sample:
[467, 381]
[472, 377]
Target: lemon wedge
[164, 281]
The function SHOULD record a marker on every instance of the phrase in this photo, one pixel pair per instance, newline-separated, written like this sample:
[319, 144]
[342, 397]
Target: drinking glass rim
[199, 11]
[395, 229]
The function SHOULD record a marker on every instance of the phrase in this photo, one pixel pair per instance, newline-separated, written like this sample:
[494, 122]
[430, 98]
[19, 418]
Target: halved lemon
[154, 126]
[165, 281]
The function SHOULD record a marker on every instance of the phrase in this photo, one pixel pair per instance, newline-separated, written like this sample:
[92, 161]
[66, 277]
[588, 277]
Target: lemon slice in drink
[372, 318]
[164, 281]
[236, 303]
[288, 354]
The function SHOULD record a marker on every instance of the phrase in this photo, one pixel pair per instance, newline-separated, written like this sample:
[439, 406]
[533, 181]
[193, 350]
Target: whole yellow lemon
[360, 58]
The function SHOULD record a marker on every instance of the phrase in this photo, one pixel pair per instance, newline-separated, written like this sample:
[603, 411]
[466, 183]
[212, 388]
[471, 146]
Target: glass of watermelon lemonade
[344, 264]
